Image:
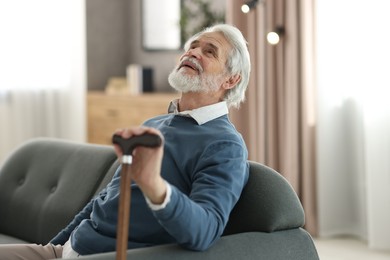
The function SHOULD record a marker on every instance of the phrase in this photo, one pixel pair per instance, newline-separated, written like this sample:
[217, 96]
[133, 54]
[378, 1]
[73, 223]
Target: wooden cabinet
[106, 113]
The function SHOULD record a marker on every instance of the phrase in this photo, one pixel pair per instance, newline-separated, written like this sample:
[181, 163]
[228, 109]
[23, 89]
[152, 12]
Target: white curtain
[353, 66]
[42, 71]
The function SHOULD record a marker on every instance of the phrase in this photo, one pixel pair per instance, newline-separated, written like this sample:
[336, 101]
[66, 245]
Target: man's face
[203, 66]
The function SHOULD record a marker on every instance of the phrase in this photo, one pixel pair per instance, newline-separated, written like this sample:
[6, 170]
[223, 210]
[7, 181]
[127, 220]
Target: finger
[151, 130]
[140, 130]
[129, 132]
[119, 131]
[118, 151]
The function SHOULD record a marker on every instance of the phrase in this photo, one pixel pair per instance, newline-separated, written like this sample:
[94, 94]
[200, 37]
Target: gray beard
[199, 83]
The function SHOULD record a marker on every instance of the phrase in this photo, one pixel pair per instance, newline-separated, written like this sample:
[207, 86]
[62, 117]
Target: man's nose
[194, 52]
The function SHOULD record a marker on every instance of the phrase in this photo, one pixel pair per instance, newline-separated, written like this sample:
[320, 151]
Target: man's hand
[146, 164]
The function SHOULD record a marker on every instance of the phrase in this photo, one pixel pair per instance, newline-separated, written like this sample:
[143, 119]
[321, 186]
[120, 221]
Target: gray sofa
[45, 182]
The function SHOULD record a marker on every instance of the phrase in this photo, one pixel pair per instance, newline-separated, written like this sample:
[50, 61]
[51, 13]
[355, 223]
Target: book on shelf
[139, 79]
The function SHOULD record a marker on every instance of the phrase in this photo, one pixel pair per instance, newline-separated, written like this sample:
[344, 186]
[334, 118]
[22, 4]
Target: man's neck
[194, 100]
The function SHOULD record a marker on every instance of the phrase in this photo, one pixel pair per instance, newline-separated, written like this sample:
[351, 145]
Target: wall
[107, 30]
[114, 41]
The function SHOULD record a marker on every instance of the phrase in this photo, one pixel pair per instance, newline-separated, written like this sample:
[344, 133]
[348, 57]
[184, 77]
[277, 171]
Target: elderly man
[184, 190]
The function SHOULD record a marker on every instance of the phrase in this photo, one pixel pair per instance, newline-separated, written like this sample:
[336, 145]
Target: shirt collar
[201, 115]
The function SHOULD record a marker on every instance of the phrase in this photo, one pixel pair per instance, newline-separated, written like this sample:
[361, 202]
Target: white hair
[238, 61]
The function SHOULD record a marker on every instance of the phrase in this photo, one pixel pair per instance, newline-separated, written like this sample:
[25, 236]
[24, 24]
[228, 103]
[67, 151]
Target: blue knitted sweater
[206, 166]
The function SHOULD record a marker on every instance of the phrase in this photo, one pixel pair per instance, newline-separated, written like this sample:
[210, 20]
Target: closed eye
[208, 49]
[211, 52]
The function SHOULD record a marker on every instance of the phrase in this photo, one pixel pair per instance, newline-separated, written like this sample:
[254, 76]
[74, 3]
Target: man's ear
[231, 81]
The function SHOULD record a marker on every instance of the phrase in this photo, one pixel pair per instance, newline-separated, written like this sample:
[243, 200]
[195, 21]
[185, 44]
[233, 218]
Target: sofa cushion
[45, 182]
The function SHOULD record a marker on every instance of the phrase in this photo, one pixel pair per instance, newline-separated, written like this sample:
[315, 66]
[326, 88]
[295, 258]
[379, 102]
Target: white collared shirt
[201, 115]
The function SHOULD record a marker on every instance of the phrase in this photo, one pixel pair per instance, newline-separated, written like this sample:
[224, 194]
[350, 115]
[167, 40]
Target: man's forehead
[216, 39]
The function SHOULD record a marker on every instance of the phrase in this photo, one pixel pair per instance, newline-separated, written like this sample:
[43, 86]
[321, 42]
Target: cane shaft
[127, 146]
[123, 213]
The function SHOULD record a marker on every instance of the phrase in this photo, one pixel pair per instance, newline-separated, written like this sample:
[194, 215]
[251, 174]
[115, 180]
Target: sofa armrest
[268, 203]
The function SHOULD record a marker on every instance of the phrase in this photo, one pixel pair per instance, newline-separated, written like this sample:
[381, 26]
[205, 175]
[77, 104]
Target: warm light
[245, 8]
[273, 38]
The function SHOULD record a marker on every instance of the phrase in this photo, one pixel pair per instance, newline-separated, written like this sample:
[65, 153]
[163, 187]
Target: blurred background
[317, 106]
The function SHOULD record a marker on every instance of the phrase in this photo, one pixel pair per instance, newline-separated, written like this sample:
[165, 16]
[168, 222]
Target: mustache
[191, 62]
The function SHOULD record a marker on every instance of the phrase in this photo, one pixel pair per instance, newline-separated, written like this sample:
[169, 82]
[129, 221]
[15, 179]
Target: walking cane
[127, 146]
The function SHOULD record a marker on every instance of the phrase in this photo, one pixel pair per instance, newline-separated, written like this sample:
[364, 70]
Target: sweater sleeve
[64, 234]
[196, 221]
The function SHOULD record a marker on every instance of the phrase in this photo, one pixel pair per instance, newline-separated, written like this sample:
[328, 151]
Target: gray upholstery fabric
[268, 203]
[45, 183]
[107, 178]
[289, 244]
